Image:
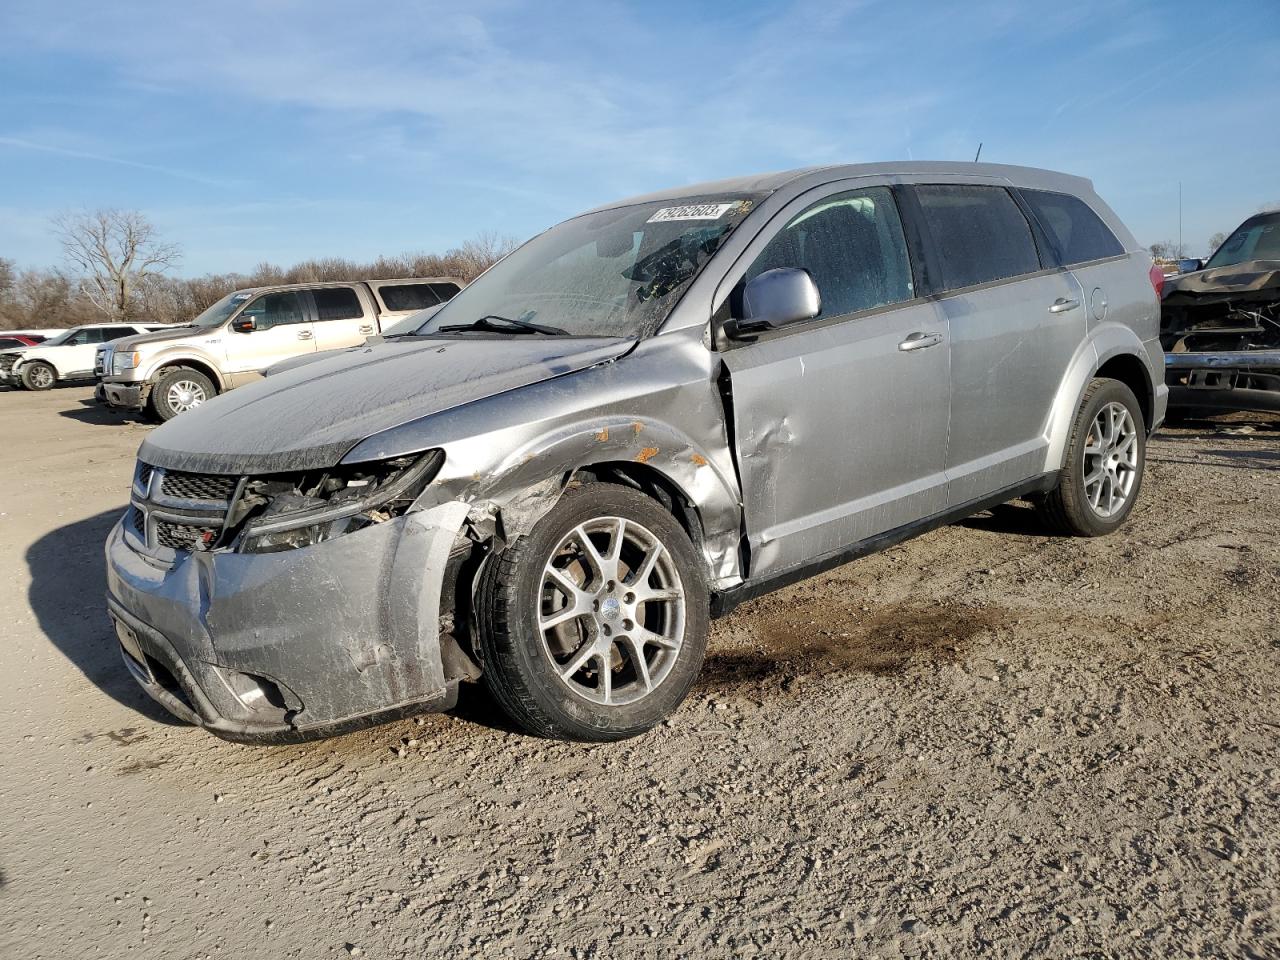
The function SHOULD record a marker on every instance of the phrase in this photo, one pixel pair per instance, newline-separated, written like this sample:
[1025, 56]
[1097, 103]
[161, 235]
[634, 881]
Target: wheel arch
[1112, 350]
[193, 363]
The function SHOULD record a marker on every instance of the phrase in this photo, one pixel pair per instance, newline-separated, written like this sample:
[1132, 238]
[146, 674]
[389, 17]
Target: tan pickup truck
[235, 340]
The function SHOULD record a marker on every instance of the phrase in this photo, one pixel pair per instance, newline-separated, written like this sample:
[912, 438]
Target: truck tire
[1104, 464]
[594, 625]
[177, 390]
[38, 375]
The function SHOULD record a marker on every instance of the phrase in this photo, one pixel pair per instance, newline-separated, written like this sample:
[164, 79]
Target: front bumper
[1228, 380]
[130, 396]
[281, 647]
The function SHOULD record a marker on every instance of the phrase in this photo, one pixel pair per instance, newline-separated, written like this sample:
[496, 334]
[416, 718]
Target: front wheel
[178, 390]
[38, 375]
[594, 626]
[1104, 464]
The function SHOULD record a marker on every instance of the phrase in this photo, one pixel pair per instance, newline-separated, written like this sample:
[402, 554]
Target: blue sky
[281, 130]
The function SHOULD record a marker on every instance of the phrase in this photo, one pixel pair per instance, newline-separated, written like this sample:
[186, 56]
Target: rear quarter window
[1073, 228]
[408, 296]
[445, 291]
[979, 233]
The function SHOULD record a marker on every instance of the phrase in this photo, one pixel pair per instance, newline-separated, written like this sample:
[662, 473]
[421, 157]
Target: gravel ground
[987, 741]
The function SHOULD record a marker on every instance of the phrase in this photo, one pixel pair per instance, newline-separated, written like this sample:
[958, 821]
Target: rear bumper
[129, 396]
[282, 647]
[1231, 380]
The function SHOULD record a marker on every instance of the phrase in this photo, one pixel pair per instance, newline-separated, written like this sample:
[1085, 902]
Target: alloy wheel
[612, 611]
[184, 395]
[1110, 460]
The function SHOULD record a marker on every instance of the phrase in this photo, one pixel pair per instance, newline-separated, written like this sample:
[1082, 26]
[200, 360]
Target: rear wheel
[593, 627]
[1106, 456]
[178, 390]
[39, 375]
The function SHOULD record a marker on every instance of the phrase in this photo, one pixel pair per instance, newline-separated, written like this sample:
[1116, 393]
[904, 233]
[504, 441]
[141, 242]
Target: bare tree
[476, 255]
[115, 251]
[1217, 240]
[1167, 250]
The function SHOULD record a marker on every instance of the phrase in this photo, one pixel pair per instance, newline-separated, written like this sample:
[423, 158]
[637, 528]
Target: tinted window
[115, 333]
[337, 303]
[7, 343]
[408, 296]
[852, 246]
[276, 310]
[445, 291]
[979, 233]
[1077, 232]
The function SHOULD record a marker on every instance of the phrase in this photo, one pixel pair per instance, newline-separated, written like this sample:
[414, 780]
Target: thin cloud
[20, 144]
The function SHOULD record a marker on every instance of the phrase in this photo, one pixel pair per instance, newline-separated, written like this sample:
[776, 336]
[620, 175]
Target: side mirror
[1190, 266]
[244, 324]
[776, 298]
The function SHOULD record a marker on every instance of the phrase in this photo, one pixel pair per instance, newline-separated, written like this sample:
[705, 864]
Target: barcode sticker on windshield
[693, 211]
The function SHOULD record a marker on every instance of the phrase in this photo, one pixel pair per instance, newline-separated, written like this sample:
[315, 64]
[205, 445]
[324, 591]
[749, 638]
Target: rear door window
[337, 303]
[853, 247]
[408, 296]
[1073, 228]
[276, 310]
[979, 234]
[115, 333]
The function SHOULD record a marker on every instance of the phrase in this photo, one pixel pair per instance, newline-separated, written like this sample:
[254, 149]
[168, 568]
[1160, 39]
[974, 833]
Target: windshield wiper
[496, 324]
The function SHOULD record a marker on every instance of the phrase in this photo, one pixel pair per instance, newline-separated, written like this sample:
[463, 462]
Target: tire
[1083, 503]
[178, 390]
[39, 375]
[527, 660]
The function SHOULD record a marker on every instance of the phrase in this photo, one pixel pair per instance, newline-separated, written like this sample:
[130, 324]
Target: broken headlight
[284, 513]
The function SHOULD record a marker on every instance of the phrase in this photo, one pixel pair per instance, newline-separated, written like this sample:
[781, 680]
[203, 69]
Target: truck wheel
[1105, 459]
[178, 390]
[593, 627]
[39, 375]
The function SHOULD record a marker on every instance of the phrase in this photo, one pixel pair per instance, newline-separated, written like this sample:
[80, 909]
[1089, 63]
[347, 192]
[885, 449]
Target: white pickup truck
[68, 355]
[245, 332]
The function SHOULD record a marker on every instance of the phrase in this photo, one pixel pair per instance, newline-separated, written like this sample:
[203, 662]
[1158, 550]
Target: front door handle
[366, 328]
[304, 334]
[1062, 305]
[919, 340]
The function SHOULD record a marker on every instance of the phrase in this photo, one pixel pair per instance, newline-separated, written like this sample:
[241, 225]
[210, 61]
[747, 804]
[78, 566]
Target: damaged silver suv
[634, 422]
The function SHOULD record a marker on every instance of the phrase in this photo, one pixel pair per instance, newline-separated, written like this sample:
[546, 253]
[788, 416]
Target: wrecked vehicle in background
[634, 422]
[1220, 325]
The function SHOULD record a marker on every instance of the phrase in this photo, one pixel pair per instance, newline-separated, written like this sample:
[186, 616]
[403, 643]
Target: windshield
[410, 324]
[61, 338]
[1255, 239]
[221, 310]
[615, 273]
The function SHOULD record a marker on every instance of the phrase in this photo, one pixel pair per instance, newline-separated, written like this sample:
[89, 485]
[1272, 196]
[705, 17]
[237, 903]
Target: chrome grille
[197, 486]
[181, 536]
[7, 362]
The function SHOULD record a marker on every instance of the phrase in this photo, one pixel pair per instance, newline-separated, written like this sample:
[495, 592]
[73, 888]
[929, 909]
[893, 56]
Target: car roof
[813, 176]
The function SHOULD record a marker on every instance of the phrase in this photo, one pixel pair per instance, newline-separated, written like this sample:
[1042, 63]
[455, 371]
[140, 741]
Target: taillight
[1156, 274]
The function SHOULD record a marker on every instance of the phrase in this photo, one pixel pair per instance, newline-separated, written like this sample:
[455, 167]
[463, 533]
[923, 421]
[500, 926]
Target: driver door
[282, 329]
[840, 422]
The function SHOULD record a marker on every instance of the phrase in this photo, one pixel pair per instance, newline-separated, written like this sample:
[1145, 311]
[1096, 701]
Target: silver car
[637, 420]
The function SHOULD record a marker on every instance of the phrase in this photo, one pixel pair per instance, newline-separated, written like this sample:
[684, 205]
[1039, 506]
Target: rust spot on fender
[699, 460]
[647, 454]
[637, 426]
[602, 434]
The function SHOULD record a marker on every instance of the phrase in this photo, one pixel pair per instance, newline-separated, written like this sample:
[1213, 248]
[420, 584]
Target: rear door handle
[919, 340]
[304, 334]
[1062, 305]
[366, 328]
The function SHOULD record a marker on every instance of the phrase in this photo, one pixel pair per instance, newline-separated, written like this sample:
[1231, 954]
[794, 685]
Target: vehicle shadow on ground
[90, 411]
[68, 596]
[1015, 518]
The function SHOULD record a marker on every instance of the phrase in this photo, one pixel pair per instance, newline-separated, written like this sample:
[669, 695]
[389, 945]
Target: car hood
[160, 336]
[1251, 279]
[310, 416]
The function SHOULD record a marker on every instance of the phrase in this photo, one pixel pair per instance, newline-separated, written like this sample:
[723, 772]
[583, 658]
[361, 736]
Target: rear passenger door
[341, 318]
[839, 423]
[1014, 326]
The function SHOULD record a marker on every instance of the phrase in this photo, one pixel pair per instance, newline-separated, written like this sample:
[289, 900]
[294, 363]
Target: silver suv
[640, 418]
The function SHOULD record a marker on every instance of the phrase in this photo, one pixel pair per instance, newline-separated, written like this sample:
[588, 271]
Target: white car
[67, 356]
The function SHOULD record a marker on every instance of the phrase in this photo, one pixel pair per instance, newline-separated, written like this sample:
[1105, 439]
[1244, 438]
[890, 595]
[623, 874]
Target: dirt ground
[987, 741]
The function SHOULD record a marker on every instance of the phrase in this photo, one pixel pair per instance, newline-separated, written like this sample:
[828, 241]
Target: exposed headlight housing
[284, 513]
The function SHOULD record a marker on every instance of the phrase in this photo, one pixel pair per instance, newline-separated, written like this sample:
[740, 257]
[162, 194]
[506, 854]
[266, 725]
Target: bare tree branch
[114, 252]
